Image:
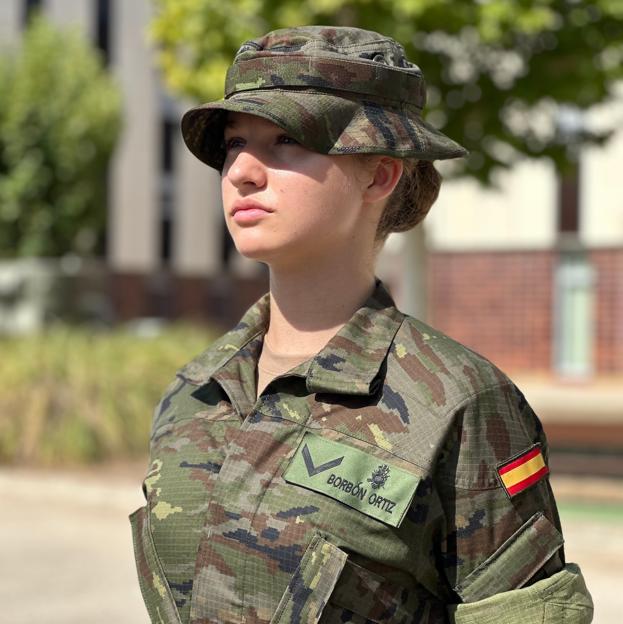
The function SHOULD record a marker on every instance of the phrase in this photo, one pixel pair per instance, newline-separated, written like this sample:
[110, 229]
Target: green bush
[60, 117]
[77, 396]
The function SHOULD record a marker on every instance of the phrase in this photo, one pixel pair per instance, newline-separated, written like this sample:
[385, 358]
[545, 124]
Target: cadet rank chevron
[523, 471]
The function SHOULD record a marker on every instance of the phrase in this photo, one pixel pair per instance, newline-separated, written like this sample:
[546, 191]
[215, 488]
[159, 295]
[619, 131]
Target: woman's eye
[288, 140]
[236, 142]
[232, 142]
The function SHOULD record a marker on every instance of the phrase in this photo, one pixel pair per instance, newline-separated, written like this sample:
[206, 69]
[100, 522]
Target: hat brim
[329, 123]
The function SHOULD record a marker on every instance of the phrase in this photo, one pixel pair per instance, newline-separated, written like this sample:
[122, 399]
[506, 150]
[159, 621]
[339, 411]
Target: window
[568, 194]
[574, 315]
[168, 131]
[103, 20]
[29, 7]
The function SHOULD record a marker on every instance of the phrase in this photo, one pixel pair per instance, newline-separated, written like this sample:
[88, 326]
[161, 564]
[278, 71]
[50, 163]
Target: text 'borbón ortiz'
[359, 491]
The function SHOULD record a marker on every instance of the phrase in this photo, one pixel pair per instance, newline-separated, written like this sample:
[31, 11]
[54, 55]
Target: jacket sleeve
[559, 599]
[501, 550]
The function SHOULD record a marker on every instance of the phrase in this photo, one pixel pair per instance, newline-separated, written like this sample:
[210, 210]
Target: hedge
[72, 395]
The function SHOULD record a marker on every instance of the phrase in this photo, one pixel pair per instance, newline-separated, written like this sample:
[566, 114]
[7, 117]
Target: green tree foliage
[59, 120]
[498, 71]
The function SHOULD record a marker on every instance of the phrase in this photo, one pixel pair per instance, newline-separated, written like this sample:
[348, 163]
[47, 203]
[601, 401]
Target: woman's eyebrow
[228, 128]
[231, 122]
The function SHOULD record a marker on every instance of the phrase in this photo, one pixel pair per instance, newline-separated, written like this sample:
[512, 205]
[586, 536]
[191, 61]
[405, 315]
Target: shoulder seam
[467, 399]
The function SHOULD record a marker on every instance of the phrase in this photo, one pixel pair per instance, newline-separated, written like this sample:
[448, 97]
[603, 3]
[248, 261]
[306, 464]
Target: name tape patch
[523, 471]
[361, 481]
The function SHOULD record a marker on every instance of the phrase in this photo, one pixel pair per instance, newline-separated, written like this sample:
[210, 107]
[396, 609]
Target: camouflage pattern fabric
[336, 90]
[225, 537]
[560, 599]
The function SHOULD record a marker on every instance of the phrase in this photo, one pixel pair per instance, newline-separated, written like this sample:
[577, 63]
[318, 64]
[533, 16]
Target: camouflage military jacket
[395, 477]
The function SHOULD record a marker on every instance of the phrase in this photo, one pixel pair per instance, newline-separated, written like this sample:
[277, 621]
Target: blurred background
[116, 266]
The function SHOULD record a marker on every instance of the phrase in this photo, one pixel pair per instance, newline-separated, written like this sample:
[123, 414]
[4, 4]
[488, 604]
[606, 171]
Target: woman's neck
[307, 310]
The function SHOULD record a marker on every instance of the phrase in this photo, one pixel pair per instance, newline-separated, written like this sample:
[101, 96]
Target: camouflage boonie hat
[336, 90]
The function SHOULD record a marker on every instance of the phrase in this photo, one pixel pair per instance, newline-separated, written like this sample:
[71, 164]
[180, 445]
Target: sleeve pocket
[559, 599]
[514, 562]
[154, 587]
[311, 584]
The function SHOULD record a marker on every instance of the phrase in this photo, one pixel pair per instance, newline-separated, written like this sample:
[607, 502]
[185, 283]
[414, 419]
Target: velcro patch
[523, 471]
[360, 480]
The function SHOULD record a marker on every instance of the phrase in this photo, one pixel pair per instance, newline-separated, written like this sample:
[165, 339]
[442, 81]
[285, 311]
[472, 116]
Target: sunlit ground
[67, 551]
[594, 539]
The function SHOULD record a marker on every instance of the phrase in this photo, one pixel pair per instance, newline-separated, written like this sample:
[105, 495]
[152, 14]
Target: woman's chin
[275, 256]
[256, 250]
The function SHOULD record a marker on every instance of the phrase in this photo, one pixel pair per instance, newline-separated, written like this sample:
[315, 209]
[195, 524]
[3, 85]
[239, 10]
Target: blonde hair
[411, 199]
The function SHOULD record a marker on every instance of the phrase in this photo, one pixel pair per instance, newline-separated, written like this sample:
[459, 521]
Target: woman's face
[313, 201]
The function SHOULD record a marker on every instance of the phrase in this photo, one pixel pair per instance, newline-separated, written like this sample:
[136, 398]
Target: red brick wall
[608, 264]
[497, 303]
[219, 300]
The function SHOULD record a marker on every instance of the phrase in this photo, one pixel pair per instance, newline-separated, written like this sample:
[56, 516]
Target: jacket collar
[348, 364]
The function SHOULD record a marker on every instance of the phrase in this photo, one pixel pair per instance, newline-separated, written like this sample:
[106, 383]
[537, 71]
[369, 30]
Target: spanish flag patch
[523, 470]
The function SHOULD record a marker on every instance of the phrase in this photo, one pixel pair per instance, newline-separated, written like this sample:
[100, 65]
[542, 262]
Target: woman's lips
[247, 211]
[249, 214]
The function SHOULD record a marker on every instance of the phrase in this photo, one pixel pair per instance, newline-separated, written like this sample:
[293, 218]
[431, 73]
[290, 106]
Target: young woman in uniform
[332, 459]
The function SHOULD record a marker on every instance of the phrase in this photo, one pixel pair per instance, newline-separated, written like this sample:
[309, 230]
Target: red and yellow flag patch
[523, 471]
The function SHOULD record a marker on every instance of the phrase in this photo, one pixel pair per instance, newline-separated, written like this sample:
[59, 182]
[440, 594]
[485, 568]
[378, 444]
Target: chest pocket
[311, 584]
[328, 588]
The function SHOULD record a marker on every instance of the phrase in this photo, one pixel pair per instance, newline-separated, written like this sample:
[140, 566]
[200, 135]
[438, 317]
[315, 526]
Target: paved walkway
[66, 549]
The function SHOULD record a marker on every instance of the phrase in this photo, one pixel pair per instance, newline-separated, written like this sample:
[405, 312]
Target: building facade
[529, 274]
[546, 255]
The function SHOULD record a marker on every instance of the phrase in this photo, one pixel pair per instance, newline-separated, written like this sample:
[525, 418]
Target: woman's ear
[384, 176]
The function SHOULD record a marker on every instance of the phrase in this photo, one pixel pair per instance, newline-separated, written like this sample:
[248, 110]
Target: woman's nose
[247, 168]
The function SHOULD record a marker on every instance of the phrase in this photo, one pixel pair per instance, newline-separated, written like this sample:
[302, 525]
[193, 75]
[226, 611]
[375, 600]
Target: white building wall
[70, 12]
[10, 22]
[601, 183]
[519, 214]
[197, 231]
[134, 220]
